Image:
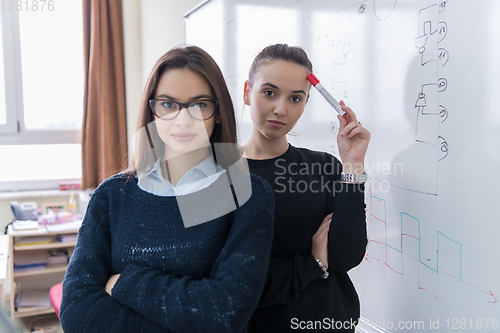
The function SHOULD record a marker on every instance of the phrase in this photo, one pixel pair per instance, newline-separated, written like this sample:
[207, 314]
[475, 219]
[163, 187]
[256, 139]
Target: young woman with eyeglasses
[180, 241]
[320, 228]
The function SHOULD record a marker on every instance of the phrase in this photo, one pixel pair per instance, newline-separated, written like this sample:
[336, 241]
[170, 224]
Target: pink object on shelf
[61, 217]
[55, 294]
[70, 185]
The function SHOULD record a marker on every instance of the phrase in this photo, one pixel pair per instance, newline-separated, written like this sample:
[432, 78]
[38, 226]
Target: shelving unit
[50, 269]
[48, 246]
[41, 279]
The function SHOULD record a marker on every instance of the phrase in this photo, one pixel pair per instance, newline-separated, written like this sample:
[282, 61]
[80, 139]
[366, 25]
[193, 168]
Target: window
[41, 92]
[3, 112]
[6, 114]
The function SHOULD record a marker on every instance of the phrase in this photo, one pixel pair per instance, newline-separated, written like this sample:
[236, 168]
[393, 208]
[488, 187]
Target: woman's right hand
[111, 283]
[320, 241]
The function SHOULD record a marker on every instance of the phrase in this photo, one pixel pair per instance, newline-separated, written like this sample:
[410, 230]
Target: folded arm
[225, 301]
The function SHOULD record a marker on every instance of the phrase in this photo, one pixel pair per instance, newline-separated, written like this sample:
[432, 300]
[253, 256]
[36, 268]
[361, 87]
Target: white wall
[133, 62]
[151, 28]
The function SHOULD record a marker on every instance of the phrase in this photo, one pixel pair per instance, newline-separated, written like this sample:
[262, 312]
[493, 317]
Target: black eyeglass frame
[181, 106]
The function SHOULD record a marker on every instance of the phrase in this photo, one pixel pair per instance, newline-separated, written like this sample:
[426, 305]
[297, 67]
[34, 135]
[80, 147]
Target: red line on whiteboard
[395, 271]
[448, 253]
[375, 11]
[376, 218]
[410, 236]
[371, 258]
[489, 293]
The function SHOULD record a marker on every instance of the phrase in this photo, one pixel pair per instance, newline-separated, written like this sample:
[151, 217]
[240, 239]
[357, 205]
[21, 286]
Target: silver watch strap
[352, 178]
[323, 268]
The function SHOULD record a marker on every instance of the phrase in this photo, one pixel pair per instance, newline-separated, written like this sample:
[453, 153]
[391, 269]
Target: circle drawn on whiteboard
[443, 31]
[443, 56]
[442, 84]
[361, 9]
[444, 148]
[443, 113]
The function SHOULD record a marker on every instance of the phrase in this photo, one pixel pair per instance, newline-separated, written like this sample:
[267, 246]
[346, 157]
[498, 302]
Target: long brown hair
[200, 62]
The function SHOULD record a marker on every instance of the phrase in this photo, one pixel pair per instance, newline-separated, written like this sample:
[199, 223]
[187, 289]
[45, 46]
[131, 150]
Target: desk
[42, 279]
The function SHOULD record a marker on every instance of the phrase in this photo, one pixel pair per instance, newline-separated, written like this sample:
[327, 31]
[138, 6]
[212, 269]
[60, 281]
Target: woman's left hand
[352, 141]
[111, 283]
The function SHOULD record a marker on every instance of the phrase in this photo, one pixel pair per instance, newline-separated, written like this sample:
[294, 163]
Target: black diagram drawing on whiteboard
[421, 159]
[341, 44]
[338, 39]
[340, 89]
[421, 154]
[430, 33]
[427, 128]
[429, 111]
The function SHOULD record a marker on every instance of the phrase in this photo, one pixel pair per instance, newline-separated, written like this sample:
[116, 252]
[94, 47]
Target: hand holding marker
[353, 138]
[329, 98]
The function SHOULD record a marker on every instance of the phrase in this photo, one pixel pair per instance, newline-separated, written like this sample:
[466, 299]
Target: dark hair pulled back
[284, 52]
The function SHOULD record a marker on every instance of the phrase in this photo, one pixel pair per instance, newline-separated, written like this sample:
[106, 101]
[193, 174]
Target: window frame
[14, 132]
[8, 21]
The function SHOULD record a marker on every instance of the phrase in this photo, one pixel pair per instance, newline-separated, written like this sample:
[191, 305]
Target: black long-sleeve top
[307, 187]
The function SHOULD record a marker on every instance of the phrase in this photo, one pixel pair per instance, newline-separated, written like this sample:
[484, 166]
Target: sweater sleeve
[86, 306]
[225, 301]
[286, 278]
[347, 237]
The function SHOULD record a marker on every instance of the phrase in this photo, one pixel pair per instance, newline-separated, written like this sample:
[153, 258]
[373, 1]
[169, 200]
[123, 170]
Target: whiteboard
[424, 78]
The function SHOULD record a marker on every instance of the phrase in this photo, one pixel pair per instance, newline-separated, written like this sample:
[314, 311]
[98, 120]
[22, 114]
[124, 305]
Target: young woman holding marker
[320, 229]
[145, 260]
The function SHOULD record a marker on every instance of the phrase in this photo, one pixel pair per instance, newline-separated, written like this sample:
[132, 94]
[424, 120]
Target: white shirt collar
[195, 179]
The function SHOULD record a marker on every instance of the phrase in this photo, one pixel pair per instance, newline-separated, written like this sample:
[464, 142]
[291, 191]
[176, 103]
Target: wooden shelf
[48, 310]
[40, 279]
[54, 245]
[49, 269]
[41, 231]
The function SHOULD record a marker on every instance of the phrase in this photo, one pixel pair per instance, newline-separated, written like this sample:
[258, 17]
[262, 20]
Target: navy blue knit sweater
[205, 278]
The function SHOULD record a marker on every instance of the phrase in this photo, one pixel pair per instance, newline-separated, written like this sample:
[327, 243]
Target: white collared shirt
[196, 179]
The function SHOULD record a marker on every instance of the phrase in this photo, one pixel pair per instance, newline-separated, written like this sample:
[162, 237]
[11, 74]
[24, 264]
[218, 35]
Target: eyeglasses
[168, 110]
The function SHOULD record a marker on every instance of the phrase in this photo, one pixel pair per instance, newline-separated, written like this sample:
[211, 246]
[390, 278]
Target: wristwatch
[352, 178]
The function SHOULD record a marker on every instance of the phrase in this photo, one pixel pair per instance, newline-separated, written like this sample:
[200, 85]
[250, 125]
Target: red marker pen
[329, 98]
